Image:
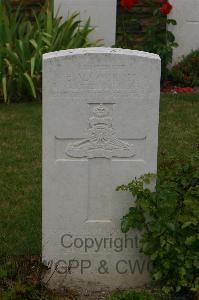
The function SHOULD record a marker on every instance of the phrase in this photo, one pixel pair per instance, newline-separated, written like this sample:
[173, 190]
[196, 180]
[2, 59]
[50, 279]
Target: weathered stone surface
[102, 13]
[100, 129]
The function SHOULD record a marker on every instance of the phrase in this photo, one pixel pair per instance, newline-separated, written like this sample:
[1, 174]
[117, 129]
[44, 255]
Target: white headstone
[100, 130]
[102, 13]
[186, 32]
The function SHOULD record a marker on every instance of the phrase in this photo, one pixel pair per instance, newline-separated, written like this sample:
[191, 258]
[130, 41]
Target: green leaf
[3, 273]
[178, 288]
[34, 43]
[186, 224]
[157, 275]
[190, 240]
[170, 226]
[125, 224]
[171, 21]
[31, 84]
[10, 68]
[32, 63]
[182, 271]
[4, 85]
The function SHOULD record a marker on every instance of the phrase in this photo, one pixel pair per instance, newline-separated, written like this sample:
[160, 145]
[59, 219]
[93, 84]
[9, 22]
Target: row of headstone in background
[186, 32]
[103, 16]
[102, 13]
[100, 130]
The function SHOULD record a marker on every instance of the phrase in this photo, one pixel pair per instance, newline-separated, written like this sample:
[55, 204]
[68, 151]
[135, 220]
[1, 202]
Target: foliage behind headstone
[23, 41]
[142, 25]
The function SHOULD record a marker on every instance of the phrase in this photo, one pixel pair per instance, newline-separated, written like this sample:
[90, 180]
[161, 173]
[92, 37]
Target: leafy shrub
[169, 219]
[186, 72]
[24, 40]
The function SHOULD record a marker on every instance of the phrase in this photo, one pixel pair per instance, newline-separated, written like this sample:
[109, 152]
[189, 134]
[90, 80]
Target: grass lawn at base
[178, 128]
[20, 167]
[20, 179]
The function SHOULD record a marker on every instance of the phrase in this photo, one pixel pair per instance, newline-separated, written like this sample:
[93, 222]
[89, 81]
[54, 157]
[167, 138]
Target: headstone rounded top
[100, 50]
[100, 130]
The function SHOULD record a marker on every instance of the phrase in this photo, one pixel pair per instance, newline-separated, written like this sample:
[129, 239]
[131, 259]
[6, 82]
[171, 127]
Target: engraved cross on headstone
[101, 148]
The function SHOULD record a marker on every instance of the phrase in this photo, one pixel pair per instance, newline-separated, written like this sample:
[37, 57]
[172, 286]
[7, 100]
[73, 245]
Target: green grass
[20, 167]
[20, 179]
[179, 128]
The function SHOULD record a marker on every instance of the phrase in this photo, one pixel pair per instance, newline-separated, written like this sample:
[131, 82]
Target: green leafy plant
[169, 220]
[160, 40]
[154, 36]
[186, 72]
[23, 41]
